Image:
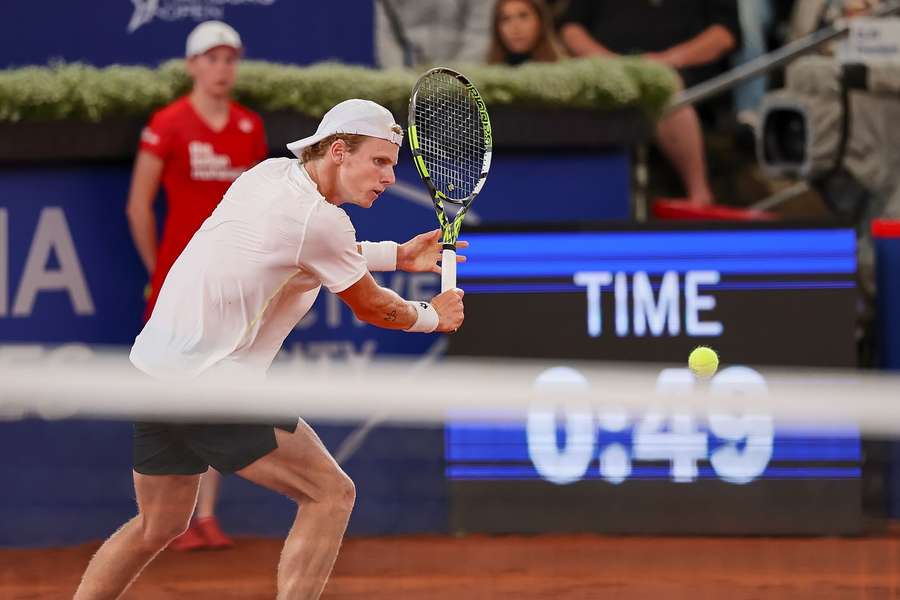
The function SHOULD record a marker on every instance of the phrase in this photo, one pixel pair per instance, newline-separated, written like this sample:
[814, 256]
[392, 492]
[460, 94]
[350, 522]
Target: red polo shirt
[199, 165]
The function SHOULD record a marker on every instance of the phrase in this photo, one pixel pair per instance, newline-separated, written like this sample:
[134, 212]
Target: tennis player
[245, 279]
[196, 147]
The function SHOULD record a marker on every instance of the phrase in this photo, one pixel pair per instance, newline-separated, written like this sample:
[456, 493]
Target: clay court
[476, 567]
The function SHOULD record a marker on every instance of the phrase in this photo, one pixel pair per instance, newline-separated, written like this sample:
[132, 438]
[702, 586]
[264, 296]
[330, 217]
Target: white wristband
[426, 317]
[381, 256]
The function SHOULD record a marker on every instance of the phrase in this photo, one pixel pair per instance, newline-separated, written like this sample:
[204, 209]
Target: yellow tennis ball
[703, 361]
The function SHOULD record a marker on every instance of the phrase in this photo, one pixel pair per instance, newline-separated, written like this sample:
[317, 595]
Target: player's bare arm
[384, 308]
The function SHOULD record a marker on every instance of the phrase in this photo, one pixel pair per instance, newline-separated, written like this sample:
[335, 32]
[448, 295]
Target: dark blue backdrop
[104, 32]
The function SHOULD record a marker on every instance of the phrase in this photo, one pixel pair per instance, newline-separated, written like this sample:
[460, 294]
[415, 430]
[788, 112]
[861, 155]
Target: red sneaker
[190, 540]
[211, 531]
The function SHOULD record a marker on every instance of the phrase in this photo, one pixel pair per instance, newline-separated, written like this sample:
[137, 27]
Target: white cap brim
[370, 120]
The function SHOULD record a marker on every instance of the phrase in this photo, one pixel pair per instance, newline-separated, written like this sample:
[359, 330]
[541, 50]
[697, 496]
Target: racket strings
[450, 135]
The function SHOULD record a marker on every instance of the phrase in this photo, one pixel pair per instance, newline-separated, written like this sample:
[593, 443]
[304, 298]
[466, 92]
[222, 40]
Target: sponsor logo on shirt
[148, 136]
[175, 10]
[245, 125]
[206, 165]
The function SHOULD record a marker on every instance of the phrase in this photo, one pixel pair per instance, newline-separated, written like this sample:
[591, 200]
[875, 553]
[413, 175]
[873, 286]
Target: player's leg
[302, 469]
[165, 504]
[681, 140]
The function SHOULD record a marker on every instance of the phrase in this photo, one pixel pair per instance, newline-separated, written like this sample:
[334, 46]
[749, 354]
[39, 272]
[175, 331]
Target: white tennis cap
[358, 117]
[210, 34]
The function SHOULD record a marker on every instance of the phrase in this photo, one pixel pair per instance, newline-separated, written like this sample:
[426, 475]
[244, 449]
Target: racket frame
[449, 228]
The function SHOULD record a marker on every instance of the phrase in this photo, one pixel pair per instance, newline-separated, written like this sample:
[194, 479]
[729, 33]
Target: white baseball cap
[358, 117]
[210, 34]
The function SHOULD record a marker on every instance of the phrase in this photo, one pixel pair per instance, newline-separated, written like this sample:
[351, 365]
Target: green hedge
[85, 93]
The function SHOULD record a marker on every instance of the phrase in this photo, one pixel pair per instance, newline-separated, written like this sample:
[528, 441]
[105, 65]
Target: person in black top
[691, 36]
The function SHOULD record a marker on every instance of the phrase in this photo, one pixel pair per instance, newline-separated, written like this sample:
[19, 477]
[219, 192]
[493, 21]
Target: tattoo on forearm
[391, 316]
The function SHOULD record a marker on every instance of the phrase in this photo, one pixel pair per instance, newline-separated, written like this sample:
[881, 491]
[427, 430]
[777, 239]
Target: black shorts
[190, 449]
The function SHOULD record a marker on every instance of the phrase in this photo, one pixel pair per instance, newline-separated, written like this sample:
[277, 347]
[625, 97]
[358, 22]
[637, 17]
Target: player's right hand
[449, 307]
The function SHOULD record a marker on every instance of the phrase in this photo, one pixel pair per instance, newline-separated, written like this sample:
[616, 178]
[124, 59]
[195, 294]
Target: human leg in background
[205, 532]
[756, 18]
[681, 140]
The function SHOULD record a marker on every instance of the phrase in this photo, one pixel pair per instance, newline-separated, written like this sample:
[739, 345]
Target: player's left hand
[422, 253]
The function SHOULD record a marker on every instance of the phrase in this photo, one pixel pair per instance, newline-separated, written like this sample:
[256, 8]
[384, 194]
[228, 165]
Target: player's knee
[157, 532]
[340, 494]
[347, 494]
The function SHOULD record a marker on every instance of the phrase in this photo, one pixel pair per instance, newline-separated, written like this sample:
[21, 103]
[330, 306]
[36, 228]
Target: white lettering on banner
[334, 309]
[38, 354]
[594, 281]
[615, 462]
[753, 433]
[746, 442]
[173, 10]
[660, 315]
[621, 304]
[646, 309]
[569, 463]
[52, 235]
[683, 444]
[326, 353]
[4, 262]
[694, 303]
[12, 355]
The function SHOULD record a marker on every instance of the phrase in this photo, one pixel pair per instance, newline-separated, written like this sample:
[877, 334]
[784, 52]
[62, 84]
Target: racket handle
[448, 269]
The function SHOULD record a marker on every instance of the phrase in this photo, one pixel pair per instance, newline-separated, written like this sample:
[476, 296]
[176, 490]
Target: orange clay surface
[520, 567]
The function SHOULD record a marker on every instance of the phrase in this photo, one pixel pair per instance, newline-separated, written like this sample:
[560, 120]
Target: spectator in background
[691, 36]
[522, 31]
[756, 20]
[423, 32]
[196, 147]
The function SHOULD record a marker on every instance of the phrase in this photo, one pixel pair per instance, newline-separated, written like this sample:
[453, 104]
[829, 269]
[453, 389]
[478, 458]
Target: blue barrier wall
[149, 31]
[70, 481]
[887, 256]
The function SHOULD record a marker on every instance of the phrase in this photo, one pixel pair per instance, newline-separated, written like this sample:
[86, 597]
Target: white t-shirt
[249, 274]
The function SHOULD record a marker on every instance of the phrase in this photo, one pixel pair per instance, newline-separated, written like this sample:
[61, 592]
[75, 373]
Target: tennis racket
[451, 142]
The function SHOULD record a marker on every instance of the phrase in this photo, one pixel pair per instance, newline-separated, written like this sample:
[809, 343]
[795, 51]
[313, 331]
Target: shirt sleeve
[329, 249]
[156, 137]
[725, 13]
[579, 12]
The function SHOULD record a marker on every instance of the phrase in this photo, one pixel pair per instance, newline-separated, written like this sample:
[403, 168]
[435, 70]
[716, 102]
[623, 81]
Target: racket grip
[448, 269]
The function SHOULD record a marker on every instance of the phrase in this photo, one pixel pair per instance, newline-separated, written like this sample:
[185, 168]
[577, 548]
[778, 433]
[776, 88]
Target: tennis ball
[703, 361]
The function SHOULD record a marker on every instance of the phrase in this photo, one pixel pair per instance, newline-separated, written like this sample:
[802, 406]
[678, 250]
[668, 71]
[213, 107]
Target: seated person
[691, 36]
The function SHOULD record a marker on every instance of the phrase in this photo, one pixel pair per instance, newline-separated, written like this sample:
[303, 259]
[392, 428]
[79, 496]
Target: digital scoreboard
[758, 295]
